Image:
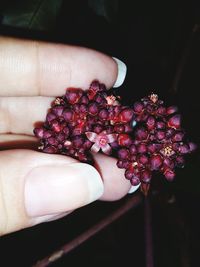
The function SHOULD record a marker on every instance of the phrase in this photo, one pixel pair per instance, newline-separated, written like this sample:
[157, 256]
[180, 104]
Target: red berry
[61, 137]
[126, 115]
[160, 125]
[170, 132]
[56, 126]
[114, 145]
[184, 149]
[129, 174]
[58, 110]
[168, 163]
[82, 157]
[135, 181]
[95, 86]
[143, 159]
[123, 164]
[151, 148]
[124, 140]
[123, 153]
[91, 94]
[138, 107]
[93, 108]
[77, 131]
[126, 164]
[47, 134]
[100, 99]
[149, 109]
[73, 95]
[169, 175]
[133, 158]
[161, 110]
[119, 128]
[68, 115]
[83, 109]
[141, 133]
[77, 141]
[155, 162]
[142, 148]
[120, 164]
[128, 128]
[151, 123]
[103, 114]
[50, 117]
[50, 149]
[98, 128]
[160, 135]
[102, 87]
[84, 100]
[87, 144]
[171, 110]
[65, 131]
[192, 146]
[133, 149]
[178, 137]
[72, 152]
[52, 141]
[175, 121]
[39, 132]
[117, 109]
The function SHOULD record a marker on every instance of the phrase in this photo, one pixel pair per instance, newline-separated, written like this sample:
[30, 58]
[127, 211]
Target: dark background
[160, 43]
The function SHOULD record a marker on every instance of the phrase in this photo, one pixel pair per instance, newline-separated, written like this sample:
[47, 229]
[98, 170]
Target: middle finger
[18, 115]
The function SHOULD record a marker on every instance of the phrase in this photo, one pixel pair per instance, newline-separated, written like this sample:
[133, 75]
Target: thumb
[36, 187]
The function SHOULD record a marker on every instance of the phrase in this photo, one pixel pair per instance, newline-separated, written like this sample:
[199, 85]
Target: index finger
[32, 68]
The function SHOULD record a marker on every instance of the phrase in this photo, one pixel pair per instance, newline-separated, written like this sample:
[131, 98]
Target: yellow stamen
[153, 98]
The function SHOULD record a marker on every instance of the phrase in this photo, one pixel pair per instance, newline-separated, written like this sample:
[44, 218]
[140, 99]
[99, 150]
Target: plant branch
[183, 60]
[131, 203]
[148, 233]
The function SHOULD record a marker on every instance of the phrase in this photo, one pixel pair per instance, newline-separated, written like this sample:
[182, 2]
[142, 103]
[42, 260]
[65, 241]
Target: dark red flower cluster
[146, 137]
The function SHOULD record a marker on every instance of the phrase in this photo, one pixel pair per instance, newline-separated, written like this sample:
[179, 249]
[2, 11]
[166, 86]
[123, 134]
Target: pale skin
[32, 73]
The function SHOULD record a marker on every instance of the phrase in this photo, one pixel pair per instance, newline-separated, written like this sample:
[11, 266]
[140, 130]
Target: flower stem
[148, 233]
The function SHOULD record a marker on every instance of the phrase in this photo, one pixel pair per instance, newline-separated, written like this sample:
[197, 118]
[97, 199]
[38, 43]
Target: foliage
[31, 14]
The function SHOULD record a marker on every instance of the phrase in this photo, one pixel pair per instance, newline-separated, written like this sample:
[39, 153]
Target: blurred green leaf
[105, 8]
[31, 14]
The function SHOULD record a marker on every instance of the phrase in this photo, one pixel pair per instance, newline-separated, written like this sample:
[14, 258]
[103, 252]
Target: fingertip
[45, 187]
[115, 184]
[77, 67]
[51, 68]
[74, 67]
[121, 74]
[133, 188]
[59, 188]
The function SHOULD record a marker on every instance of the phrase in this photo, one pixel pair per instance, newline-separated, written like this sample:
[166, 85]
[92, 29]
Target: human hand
[37, 187]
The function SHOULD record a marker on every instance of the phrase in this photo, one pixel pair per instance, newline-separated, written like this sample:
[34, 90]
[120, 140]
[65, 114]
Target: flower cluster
[146, 137]
[158, 144]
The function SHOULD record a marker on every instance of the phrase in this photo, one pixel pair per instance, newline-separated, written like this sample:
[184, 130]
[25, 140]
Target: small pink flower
[101, 141]
[112, 100]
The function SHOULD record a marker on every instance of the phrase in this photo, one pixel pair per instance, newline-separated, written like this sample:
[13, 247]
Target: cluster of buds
[145, 137]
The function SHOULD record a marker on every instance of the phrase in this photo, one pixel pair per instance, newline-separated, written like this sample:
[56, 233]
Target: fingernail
[122, 69]
[61, 188]
[133, 188]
